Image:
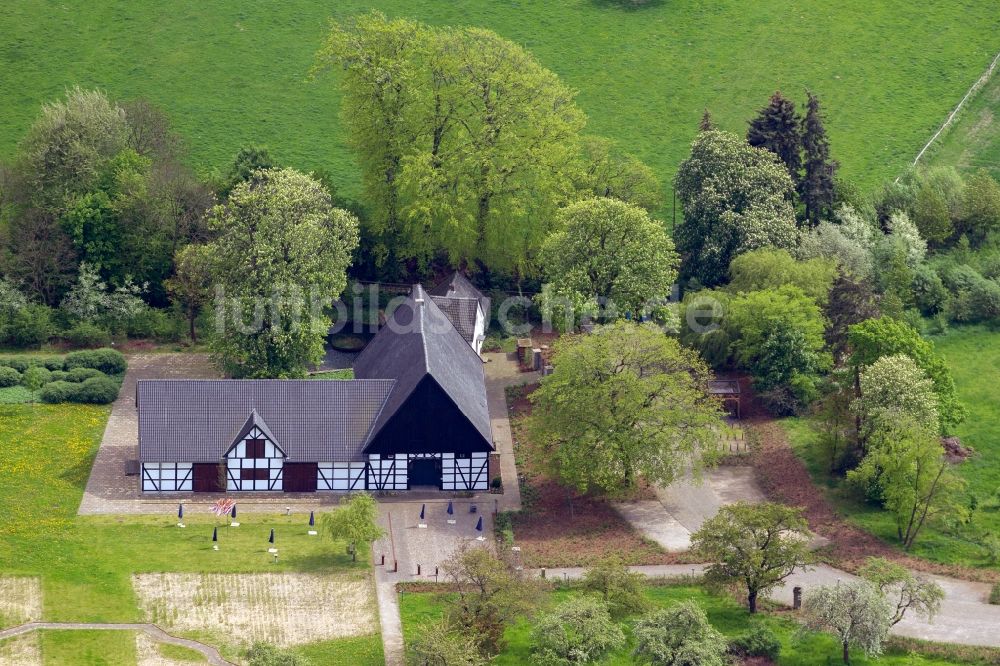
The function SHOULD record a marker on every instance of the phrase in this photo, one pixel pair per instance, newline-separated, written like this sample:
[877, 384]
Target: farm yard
[60, 567]
[887, 75]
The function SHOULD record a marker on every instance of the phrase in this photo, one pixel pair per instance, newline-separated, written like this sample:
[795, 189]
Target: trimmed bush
[58, 376]
[108, 361]
[83, 374]
[760, 641]
[9, 377]
[19, 363]
[30, 326]
[36, 377]
[97, 391]
[87, 335]
[54, 392]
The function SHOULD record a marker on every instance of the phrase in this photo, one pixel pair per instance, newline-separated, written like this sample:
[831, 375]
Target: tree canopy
[754, 545]
[680, 636]
[735, 198]
[281, 256]
[609, 258]
[623, 402]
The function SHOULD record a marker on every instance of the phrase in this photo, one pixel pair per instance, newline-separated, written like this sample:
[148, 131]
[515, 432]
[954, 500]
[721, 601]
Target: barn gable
[440, 386]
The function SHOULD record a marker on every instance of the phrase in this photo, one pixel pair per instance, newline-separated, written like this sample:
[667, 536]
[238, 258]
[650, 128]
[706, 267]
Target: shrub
[86, 335]
[9, 377]
[30, 326]
[19, 363]
[679, 636]
[49, 362]
[265, 654]
[995, 594]
[97, 391]
[83, 374]
[760, 641]
[621, 589]
[108, 361]
[54, 392]
[36, 377]
[58, 376]
[157, 324]
[578, 631]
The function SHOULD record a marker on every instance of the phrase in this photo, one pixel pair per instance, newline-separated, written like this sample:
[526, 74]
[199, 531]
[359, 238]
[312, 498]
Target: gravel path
[151, 630]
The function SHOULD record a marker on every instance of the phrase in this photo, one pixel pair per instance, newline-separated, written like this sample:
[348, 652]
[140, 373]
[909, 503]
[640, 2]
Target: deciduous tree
[755, 545]
[680, 636]
[280, 241]
[578, 631]
[856, 613]
[892, 388]
[735, 198]
[191, 285]
[623, 402]
[439, 645]
[900, 586]
[770, 268]
[355, 522]
[608, 258]
[621, 589]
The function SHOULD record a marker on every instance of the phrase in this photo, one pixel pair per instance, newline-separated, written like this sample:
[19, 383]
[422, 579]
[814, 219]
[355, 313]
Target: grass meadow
[86, 563]
[235, 72]
[973, 142]
[973, 354]
[420, 608]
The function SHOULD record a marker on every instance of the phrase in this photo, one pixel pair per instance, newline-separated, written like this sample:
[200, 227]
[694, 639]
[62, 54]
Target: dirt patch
[21, 651]
[284, 609]
[954, 451]
[783, 477]
[559, 527]
[20, 600]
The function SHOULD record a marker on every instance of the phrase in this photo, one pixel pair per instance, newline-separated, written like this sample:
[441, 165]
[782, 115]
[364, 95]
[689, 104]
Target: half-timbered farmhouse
[415, 415]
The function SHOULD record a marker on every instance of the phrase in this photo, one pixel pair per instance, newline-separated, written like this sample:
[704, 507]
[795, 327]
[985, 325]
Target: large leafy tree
[438, 644]
[893, 388]
[900, 586]
[380, 63]
[623, 402]
[281, 255]
[769, 268]
[735, 198]
[608, 255]
[489, 595]
[906, 468]
[754, 545]
[981, 206]
[817, 185]
[467, 145]
[856, 613]
[875, 338]
[605, 171]
[191, 283]
[776, 128]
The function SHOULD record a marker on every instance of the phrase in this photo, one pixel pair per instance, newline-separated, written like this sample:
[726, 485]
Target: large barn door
[300, 477]
[208, 478]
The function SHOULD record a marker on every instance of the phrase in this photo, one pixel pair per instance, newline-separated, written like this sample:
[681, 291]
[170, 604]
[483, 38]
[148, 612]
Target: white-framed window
[166, 477]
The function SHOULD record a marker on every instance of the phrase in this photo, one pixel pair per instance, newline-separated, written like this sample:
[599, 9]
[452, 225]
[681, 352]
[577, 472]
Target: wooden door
[208, 478]
[299, 477]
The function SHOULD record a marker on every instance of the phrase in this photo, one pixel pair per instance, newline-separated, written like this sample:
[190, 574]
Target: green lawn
[85, 563]
[973, 142]
[724, 613]
[231, 72]
[973, 354]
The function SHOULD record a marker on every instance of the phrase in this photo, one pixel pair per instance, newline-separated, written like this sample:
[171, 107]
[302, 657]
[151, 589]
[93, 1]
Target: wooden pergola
[728, 391]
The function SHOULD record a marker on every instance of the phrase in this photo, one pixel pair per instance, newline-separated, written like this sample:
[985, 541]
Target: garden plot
[284, 609]
[21, 650]
[20, 600]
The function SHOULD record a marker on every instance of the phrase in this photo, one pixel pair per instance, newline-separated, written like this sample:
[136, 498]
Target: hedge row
[97, 390]
[108, 361]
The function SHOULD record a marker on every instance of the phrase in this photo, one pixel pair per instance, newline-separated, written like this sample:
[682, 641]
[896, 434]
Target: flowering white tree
[900, 586]
[903, 231]
[894, 387]
[92, 300]
[856, 613]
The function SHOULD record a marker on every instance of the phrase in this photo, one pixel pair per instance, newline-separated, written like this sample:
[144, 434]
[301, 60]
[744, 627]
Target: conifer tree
[817, 185]
[776, 128]
[706, 124]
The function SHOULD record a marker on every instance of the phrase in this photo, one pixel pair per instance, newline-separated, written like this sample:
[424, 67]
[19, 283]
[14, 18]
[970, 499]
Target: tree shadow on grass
[628, 5]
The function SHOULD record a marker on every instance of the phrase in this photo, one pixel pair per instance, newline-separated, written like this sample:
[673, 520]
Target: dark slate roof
[417, 341]
[461, 312]
[255, 421]
[457, 285]
[183, 420]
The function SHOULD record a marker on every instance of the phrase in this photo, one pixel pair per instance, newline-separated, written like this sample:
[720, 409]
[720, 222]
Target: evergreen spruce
[706, 124]
[776, 128]
[817, 185]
